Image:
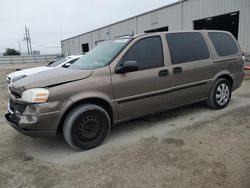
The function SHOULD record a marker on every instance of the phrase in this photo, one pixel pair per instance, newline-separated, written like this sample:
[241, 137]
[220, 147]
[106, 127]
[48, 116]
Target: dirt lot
[188, 147]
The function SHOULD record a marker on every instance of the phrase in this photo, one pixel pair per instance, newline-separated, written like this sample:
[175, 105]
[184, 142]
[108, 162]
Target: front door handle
[177, 70]
[163, 73]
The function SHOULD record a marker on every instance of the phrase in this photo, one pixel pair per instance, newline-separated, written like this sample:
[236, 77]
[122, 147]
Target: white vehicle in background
[62, 62]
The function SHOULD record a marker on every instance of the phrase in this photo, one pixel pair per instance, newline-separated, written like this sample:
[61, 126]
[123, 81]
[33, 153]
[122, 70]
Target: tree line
[11, 51]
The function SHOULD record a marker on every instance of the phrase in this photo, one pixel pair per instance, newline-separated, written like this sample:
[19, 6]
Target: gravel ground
[191, 146]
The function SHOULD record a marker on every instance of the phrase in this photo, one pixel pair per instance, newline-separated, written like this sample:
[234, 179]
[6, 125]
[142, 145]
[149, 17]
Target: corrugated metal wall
[176, 17]
[87, 38]
[124, 28]
[199, 9]
[75, 45]
[65, 47]
[100, 35]
[170, 16]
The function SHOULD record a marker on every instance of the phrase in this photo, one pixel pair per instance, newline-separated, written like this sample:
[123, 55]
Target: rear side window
[223, 43]
[147, 52]
[187, 47]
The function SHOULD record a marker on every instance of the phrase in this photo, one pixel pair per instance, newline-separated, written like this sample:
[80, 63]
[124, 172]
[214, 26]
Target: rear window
[187, 47]
[223, 43]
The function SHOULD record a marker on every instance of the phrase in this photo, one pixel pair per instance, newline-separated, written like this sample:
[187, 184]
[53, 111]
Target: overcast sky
[51, 21]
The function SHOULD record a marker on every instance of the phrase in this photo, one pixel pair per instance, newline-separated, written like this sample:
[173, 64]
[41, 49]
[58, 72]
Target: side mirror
[127, 66]
[67, 65]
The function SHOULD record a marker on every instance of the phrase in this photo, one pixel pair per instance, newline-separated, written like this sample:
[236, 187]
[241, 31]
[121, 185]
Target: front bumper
[37, 120]
[12, 120]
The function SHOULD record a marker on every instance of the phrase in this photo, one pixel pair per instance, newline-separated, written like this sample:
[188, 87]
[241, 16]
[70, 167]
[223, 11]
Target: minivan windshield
[101, 55]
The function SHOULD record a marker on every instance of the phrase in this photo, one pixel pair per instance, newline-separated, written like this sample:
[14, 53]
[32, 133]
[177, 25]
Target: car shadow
[123, 131]
[56, 150]
[149, 122]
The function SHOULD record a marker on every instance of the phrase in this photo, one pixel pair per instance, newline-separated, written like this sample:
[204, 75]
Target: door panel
[191, 65]
[193, 80]
[138, 93]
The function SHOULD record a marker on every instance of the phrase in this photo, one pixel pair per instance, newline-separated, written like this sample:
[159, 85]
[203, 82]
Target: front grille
[14, 119]
[20, 107]
[11, 105]
[14, 107]
[16, 95]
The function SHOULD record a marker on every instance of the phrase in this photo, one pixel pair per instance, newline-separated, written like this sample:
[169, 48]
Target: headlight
[18, 78]
[36, 95]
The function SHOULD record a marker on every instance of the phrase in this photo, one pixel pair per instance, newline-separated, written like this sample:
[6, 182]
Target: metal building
[230, 15]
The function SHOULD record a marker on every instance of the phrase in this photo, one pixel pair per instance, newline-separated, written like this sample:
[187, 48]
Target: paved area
[192, 146]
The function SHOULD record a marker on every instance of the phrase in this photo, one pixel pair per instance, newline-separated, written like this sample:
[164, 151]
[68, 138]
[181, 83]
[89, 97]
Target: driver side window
[147, 52]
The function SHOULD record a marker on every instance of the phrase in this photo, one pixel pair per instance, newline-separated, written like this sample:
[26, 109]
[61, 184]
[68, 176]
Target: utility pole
[27, 40]
[20, 50]
[30, 42]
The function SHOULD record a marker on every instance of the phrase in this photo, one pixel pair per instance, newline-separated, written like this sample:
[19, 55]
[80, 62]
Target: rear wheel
[86, 126]
[220, 94]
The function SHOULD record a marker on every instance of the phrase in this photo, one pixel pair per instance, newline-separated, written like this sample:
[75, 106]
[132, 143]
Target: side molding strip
[124, 100]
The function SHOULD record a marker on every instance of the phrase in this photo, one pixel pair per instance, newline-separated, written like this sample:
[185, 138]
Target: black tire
[215, 95]
[86, 127]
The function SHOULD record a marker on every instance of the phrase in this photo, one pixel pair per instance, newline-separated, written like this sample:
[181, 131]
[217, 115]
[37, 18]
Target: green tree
[11, 51]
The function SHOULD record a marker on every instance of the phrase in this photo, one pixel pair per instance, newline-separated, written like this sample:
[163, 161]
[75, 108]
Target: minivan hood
[52, 77]
[27, 72]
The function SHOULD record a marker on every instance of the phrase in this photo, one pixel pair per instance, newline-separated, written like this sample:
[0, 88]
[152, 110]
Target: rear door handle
[177, 70]
[163, 73]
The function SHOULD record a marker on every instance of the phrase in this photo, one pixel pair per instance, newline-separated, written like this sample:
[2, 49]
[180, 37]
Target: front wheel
[86, 127]
[220, 94]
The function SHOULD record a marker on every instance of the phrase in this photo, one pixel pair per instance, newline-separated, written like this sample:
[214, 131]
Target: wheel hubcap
[222, 94]
[88, 128]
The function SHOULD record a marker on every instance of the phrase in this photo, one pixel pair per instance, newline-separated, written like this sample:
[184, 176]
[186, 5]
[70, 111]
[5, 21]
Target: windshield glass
[101, 55]
[59, 61]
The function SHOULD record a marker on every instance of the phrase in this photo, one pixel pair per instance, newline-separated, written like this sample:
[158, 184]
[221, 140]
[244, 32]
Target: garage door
[227, 22]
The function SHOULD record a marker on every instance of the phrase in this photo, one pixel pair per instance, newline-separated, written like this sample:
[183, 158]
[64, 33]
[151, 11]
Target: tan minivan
[127, 78]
